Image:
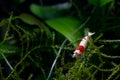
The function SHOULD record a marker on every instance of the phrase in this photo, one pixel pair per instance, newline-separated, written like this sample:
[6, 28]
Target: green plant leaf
[31, 20]
[66, 26]
[48, 12]
[100, 2]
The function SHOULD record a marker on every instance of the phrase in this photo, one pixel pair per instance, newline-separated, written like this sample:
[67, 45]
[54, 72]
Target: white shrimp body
[81, 47]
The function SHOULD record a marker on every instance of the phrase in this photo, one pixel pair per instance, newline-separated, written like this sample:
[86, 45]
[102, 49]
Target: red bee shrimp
[81, 47]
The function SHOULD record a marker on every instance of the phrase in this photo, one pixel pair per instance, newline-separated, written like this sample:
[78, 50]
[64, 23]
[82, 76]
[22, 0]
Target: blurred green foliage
[31, 40]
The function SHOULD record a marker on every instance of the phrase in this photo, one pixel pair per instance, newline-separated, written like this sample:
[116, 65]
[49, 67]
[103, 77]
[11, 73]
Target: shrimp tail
[90, 33]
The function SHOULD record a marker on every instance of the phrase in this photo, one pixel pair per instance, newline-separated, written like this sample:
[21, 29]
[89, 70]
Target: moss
[92, 65]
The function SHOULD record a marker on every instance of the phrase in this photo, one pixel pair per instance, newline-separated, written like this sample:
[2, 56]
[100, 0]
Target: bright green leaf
[66, 26]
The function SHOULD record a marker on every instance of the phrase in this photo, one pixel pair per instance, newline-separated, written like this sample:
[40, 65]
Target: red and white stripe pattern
[81, 48]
